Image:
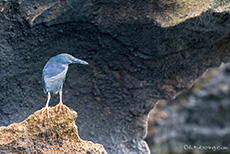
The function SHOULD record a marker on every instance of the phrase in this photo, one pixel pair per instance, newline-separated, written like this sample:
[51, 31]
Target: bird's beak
[75, 60]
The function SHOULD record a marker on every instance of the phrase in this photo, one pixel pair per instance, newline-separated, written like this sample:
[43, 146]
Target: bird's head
[68, 59]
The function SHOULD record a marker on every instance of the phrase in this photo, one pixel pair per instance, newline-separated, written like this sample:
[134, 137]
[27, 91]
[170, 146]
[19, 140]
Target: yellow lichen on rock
[39, 134]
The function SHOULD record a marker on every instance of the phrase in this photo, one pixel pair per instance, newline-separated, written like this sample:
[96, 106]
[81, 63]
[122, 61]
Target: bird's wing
[53, 76]
[56, 77]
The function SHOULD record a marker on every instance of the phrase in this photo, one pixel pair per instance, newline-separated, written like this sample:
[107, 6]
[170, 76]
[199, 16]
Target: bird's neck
[65, 66]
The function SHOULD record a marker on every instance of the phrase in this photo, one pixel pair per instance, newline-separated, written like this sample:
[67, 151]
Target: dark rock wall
[134, 61]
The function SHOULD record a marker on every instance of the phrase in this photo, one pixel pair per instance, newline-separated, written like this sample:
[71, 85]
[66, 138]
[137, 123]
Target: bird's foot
[60, 105]
[47, 110]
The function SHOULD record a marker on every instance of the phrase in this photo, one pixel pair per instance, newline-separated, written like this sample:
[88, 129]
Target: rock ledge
[38, 134]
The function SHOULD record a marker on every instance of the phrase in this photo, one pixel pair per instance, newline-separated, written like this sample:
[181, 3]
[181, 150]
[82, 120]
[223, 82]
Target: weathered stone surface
[135, 56]
[39, 134]
[197, 117]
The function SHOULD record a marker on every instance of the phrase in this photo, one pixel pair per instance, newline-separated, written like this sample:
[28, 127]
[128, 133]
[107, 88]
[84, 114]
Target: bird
[53, 77]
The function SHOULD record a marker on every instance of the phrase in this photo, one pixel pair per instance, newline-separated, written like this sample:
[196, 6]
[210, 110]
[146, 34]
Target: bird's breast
[57, 77]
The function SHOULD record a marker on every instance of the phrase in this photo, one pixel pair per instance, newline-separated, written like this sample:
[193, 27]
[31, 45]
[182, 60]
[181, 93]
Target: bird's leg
[47, 105]
[60, 105]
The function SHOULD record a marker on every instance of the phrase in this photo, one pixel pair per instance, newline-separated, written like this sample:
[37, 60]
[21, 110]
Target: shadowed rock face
[134, 61]
[197, 117]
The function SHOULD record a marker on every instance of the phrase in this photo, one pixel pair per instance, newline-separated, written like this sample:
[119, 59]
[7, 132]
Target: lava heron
[53, 77]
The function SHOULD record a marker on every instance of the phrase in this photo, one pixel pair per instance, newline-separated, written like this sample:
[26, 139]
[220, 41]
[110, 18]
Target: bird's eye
[66, 57]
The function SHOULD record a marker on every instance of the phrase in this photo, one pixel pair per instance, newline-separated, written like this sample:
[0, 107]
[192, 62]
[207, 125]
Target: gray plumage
[54, 74]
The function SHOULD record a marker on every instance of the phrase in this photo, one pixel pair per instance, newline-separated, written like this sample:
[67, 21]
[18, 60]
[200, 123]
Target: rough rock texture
[197, 117]
[38, 134]
[136, 56]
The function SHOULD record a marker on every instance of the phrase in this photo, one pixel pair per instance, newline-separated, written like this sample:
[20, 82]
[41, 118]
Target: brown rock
[38, 134]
